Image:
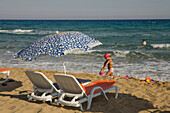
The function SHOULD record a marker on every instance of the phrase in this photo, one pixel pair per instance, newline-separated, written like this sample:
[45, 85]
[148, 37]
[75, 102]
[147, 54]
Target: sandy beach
[135, 96]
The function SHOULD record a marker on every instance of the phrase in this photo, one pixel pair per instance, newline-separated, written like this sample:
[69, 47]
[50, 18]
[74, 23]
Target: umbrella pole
[63, 64]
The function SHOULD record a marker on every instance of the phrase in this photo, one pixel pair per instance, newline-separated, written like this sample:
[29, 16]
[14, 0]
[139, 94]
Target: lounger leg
[29, 98]
[60, 98]
[91, 96]
[6, 77]
[32, 94]
[51, 102]
[116, 92]
[81, 108]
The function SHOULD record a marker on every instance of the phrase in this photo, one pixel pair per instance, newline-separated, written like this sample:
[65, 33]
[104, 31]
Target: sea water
[129, 56]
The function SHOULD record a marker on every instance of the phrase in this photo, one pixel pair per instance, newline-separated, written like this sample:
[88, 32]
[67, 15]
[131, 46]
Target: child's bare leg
[109, 73]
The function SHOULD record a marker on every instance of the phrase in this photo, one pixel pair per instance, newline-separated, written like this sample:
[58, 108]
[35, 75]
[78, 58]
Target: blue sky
[84, 9]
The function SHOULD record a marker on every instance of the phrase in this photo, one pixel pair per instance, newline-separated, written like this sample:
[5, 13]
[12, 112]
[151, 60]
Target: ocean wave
[22, 31]
[7, 47]
[118, 53]
[132, 55]
[29, 31]
[160, 45]
[16, 31]
[85, 52]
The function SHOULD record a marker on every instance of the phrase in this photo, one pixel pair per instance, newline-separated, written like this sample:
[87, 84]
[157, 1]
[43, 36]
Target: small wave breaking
[120, 53]
[29, 31]
[160, 45]
[16, 31]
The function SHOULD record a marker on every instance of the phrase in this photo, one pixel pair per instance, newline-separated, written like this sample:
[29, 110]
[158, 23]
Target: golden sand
[135, 96]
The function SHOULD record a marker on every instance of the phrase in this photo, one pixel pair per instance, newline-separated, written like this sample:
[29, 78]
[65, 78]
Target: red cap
[107, 55]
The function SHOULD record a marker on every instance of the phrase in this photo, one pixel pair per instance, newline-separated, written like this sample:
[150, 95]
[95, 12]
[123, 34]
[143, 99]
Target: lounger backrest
[38, 79]
[68, 84]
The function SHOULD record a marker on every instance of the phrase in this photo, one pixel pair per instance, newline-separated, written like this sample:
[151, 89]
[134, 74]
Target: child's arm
[103, 68]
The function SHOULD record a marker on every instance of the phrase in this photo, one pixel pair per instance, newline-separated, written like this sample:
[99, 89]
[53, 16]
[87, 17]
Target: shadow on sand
[125, 103]
[10, 85]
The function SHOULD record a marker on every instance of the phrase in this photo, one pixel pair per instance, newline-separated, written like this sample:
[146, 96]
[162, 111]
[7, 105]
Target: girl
[108, 62]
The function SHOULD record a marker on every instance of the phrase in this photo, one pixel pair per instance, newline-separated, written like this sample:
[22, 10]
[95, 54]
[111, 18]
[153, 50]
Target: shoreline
[134, 95]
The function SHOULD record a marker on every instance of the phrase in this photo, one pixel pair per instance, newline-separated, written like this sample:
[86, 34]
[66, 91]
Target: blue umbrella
[58, 45]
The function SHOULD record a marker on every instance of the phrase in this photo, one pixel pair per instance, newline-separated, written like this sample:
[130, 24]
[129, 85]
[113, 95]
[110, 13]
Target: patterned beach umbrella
[57, 45]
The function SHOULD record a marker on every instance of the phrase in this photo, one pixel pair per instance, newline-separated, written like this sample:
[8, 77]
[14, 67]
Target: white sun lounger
[44, 89]
[3, 71]
[78, 93]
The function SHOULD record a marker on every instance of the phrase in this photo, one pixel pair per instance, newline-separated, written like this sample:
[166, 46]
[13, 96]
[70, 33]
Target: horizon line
[86, 19]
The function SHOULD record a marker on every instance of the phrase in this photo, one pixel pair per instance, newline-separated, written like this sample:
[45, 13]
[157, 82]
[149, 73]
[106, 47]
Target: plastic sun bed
[79, 93]
[3, 71]
[45, 89]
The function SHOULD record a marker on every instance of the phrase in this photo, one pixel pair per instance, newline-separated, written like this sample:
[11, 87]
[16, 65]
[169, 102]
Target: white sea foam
[16, 31]
[29, 31]
[147, 34]
[5, 31]
[118, 53]
[78, 51]
[160, 45]
[22, 31]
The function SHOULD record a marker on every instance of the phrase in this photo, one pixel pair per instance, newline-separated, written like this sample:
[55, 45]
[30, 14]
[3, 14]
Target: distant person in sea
[143, 42]
[115, 44]
[15, 41]
[108, 63]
